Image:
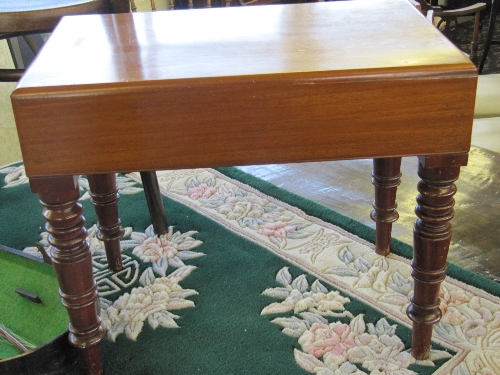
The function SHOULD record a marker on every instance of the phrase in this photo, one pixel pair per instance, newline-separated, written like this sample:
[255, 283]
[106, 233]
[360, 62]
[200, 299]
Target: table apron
[251, 121]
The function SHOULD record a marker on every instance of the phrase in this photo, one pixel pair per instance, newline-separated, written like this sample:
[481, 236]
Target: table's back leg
[386, 177]
[105, 197]
[432, 235]
[155, 202]
[72, 261]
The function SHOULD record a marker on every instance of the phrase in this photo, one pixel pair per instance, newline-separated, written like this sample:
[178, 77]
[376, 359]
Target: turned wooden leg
[155, 202]
[432, 235]
[72, 262]
[105, 197]
[386, 177]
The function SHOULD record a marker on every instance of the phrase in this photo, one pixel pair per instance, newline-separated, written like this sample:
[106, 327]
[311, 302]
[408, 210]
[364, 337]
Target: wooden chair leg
[72, 261]
[155, 202]
[104, 194]
[386, 177]
[432, 235]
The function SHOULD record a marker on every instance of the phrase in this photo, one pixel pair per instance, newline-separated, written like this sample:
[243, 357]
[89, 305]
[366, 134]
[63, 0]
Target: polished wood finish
[104, 197]
[164, 97]
[432, 236]
[72, 261]
[275, 66]
[489, 37]
[386, 177]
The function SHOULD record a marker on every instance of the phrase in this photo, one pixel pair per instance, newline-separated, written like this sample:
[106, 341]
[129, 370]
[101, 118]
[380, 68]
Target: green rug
[254, 280]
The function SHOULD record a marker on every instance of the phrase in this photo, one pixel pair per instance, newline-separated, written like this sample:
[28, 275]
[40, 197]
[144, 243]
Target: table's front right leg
[432, 235]
[72, 261]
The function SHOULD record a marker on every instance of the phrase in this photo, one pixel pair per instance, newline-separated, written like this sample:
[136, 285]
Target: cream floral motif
[370, 275]
[320, 242]
[152, 302]
[159, 292]
[173, 247]
[299, 297]
[248, 210]
[15, 175]
[202, 191]
[467, 319]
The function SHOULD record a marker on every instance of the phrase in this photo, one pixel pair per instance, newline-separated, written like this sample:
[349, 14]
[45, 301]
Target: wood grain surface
[284, 83]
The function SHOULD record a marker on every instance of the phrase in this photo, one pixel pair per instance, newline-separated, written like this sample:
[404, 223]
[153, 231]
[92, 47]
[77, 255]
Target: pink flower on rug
[448, 302]
[455, 298]
[154, 248]
[202, 191]
[322, 339]
[278, 229]
[474, 328]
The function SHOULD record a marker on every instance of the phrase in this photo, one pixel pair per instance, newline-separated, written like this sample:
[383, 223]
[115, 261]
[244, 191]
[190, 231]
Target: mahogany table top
[243, 85]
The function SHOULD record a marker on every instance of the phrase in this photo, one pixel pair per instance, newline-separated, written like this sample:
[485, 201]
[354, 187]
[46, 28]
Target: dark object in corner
[52, 358]
[28, 295]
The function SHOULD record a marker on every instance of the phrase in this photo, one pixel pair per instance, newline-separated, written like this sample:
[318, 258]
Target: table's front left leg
[432, 236]
[72, 260]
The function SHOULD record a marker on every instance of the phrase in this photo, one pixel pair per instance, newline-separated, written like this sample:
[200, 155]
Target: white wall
[9, 144]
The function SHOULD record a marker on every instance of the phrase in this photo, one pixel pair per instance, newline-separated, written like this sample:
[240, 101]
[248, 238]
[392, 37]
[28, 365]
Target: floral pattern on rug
[156, 291]
[330, 348]
[469, 326]
[247, 210]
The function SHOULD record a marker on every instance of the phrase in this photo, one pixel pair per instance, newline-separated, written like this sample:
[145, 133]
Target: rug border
[359, 229]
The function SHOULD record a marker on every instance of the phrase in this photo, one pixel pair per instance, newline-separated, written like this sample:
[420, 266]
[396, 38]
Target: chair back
[447, 21]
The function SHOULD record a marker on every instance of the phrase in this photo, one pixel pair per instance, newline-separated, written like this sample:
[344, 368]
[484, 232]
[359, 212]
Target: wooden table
[240, 86]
